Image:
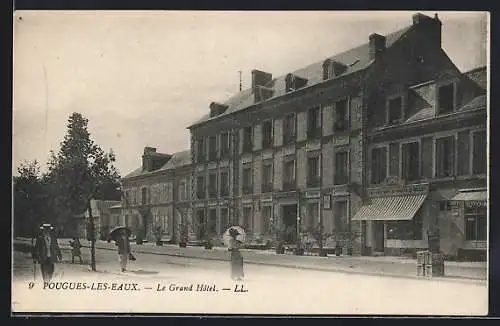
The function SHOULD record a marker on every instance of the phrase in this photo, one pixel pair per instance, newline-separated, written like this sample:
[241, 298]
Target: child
[75, 250]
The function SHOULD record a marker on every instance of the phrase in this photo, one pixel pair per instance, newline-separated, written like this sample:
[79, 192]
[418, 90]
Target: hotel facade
[385, 142]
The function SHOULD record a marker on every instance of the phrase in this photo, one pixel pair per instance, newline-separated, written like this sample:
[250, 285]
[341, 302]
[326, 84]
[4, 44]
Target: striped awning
[393, 208]
[471, 196]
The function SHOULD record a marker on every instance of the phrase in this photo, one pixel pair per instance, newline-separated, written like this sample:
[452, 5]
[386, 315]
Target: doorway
[378, 227]
[290, 223]
[200, 221]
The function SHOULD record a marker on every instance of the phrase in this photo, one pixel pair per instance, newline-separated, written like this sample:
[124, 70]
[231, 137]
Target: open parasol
[116, 231]
[234, 232]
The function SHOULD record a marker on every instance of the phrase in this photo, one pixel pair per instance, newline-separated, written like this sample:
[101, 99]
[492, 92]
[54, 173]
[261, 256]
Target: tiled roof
[177, 160]
[425, 113]
[476, 103]
[355, 59]
[478, 76]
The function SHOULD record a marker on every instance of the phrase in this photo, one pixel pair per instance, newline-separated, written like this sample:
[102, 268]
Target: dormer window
[290, 83]
[327, 69]
[446, 99]
[395, 110]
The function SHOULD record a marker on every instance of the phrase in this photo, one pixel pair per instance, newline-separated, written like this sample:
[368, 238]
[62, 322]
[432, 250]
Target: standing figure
[236, 258]
[47, 251]
[123, 243]
[75, 250]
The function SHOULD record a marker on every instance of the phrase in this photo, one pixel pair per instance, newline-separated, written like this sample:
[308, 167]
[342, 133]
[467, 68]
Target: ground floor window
[475, 223]
[406, 230]
[247, 219]
[266, 219]
[224, 220]
[312, 216]
[212, 221]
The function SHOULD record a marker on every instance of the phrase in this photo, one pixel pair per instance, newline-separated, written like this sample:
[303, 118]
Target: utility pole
[239, 71]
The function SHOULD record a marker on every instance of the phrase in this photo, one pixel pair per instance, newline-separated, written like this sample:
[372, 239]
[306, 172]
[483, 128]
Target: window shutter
[463, 153]
[427, 157]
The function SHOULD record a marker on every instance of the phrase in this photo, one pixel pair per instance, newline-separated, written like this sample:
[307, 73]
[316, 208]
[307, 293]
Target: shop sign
[286, 194]
[474, 204]
[312, 194]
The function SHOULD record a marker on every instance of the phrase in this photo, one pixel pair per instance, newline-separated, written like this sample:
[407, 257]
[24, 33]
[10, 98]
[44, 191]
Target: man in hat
[47, 251]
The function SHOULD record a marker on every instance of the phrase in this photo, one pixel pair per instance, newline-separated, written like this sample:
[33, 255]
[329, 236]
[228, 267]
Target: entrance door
[290, 223]
[200, 219]
[379, 236]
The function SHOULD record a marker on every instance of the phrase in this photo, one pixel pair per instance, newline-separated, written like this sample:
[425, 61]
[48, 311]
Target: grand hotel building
[384, 141]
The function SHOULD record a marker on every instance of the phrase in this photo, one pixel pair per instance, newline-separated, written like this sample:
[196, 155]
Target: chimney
[217, 109]
[377, 45]
[260, 78]
[431, 27]
[147, 162]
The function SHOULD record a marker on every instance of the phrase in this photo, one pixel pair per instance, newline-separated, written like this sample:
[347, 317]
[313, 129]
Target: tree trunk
[92, 238]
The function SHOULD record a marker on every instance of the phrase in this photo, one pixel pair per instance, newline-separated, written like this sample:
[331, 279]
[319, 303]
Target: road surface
[166, 284]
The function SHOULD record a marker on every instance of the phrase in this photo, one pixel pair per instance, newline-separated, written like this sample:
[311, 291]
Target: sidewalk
[381, 266]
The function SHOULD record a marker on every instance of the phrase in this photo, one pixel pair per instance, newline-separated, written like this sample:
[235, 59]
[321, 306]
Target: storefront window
[475, 223]
[406, 230]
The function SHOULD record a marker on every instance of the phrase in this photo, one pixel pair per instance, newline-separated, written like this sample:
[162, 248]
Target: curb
[320, 269]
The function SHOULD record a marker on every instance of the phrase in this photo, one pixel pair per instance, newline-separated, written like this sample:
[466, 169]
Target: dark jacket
[41, 252]
[123, 246]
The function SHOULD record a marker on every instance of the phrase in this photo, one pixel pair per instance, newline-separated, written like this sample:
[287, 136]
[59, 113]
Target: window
[267, 134]
[445, 206]
[224, 145]
[406, 230]
[445, 157]
[395, 110]
[411, 161]
[224, 183]
[247, 139]
[475, 223]
[200, 152]
[289, 175]
[212, 221]
[224, 220]
[463, 153]
[312, 216]
[379, 165]
[290, 83]
[267, 177]
[212, 148]
[182, 191]
[145, 199]
[289, 124]
[247, 219]
[266, 212]
[479, 148]
[313, 171]
[446, 99]
[313, 123]
[341, 168]
[340, 219]
[341, 116]
[247, 180]
[212, 185]
[200, 187]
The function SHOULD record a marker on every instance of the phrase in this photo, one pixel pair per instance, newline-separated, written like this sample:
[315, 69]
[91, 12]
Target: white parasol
[234, 232]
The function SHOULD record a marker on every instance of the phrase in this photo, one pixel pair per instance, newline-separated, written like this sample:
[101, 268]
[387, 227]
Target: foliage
[81, 171]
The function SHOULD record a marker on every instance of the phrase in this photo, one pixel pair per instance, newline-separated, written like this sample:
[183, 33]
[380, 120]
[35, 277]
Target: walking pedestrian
[75, 250]
[236, 257]
[47, 251]
[123, 243]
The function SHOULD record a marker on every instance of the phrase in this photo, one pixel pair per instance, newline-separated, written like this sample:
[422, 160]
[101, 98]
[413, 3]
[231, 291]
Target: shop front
[470, 209]
[395, 220]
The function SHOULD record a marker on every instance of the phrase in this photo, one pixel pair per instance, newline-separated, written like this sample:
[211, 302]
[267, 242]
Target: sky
[141, 78]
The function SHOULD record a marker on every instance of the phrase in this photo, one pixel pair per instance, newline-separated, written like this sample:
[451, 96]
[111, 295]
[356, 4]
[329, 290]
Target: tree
[80, 172]
[29, 203]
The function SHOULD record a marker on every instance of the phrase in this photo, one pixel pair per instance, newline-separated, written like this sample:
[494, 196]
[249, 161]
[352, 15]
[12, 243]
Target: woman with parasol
[234, 238]
[121, 236]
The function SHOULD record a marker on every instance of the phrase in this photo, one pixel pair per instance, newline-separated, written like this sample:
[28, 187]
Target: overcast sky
[142, 78]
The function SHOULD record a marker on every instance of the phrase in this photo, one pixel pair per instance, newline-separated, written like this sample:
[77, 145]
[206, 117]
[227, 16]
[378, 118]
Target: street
[168, 284]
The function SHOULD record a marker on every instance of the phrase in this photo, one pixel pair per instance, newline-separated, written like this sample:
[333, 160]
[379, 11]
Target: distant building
[157, 194]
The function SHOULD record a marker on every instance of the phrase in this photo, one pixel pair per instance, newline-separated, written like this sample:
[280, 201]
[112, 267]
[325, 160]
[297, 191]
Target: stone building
[156, 194]
[312, 146]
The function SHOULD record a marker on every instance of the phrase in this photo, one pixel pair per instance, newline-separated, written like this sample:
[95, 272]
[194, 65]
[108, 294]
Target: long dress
[236, 261]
